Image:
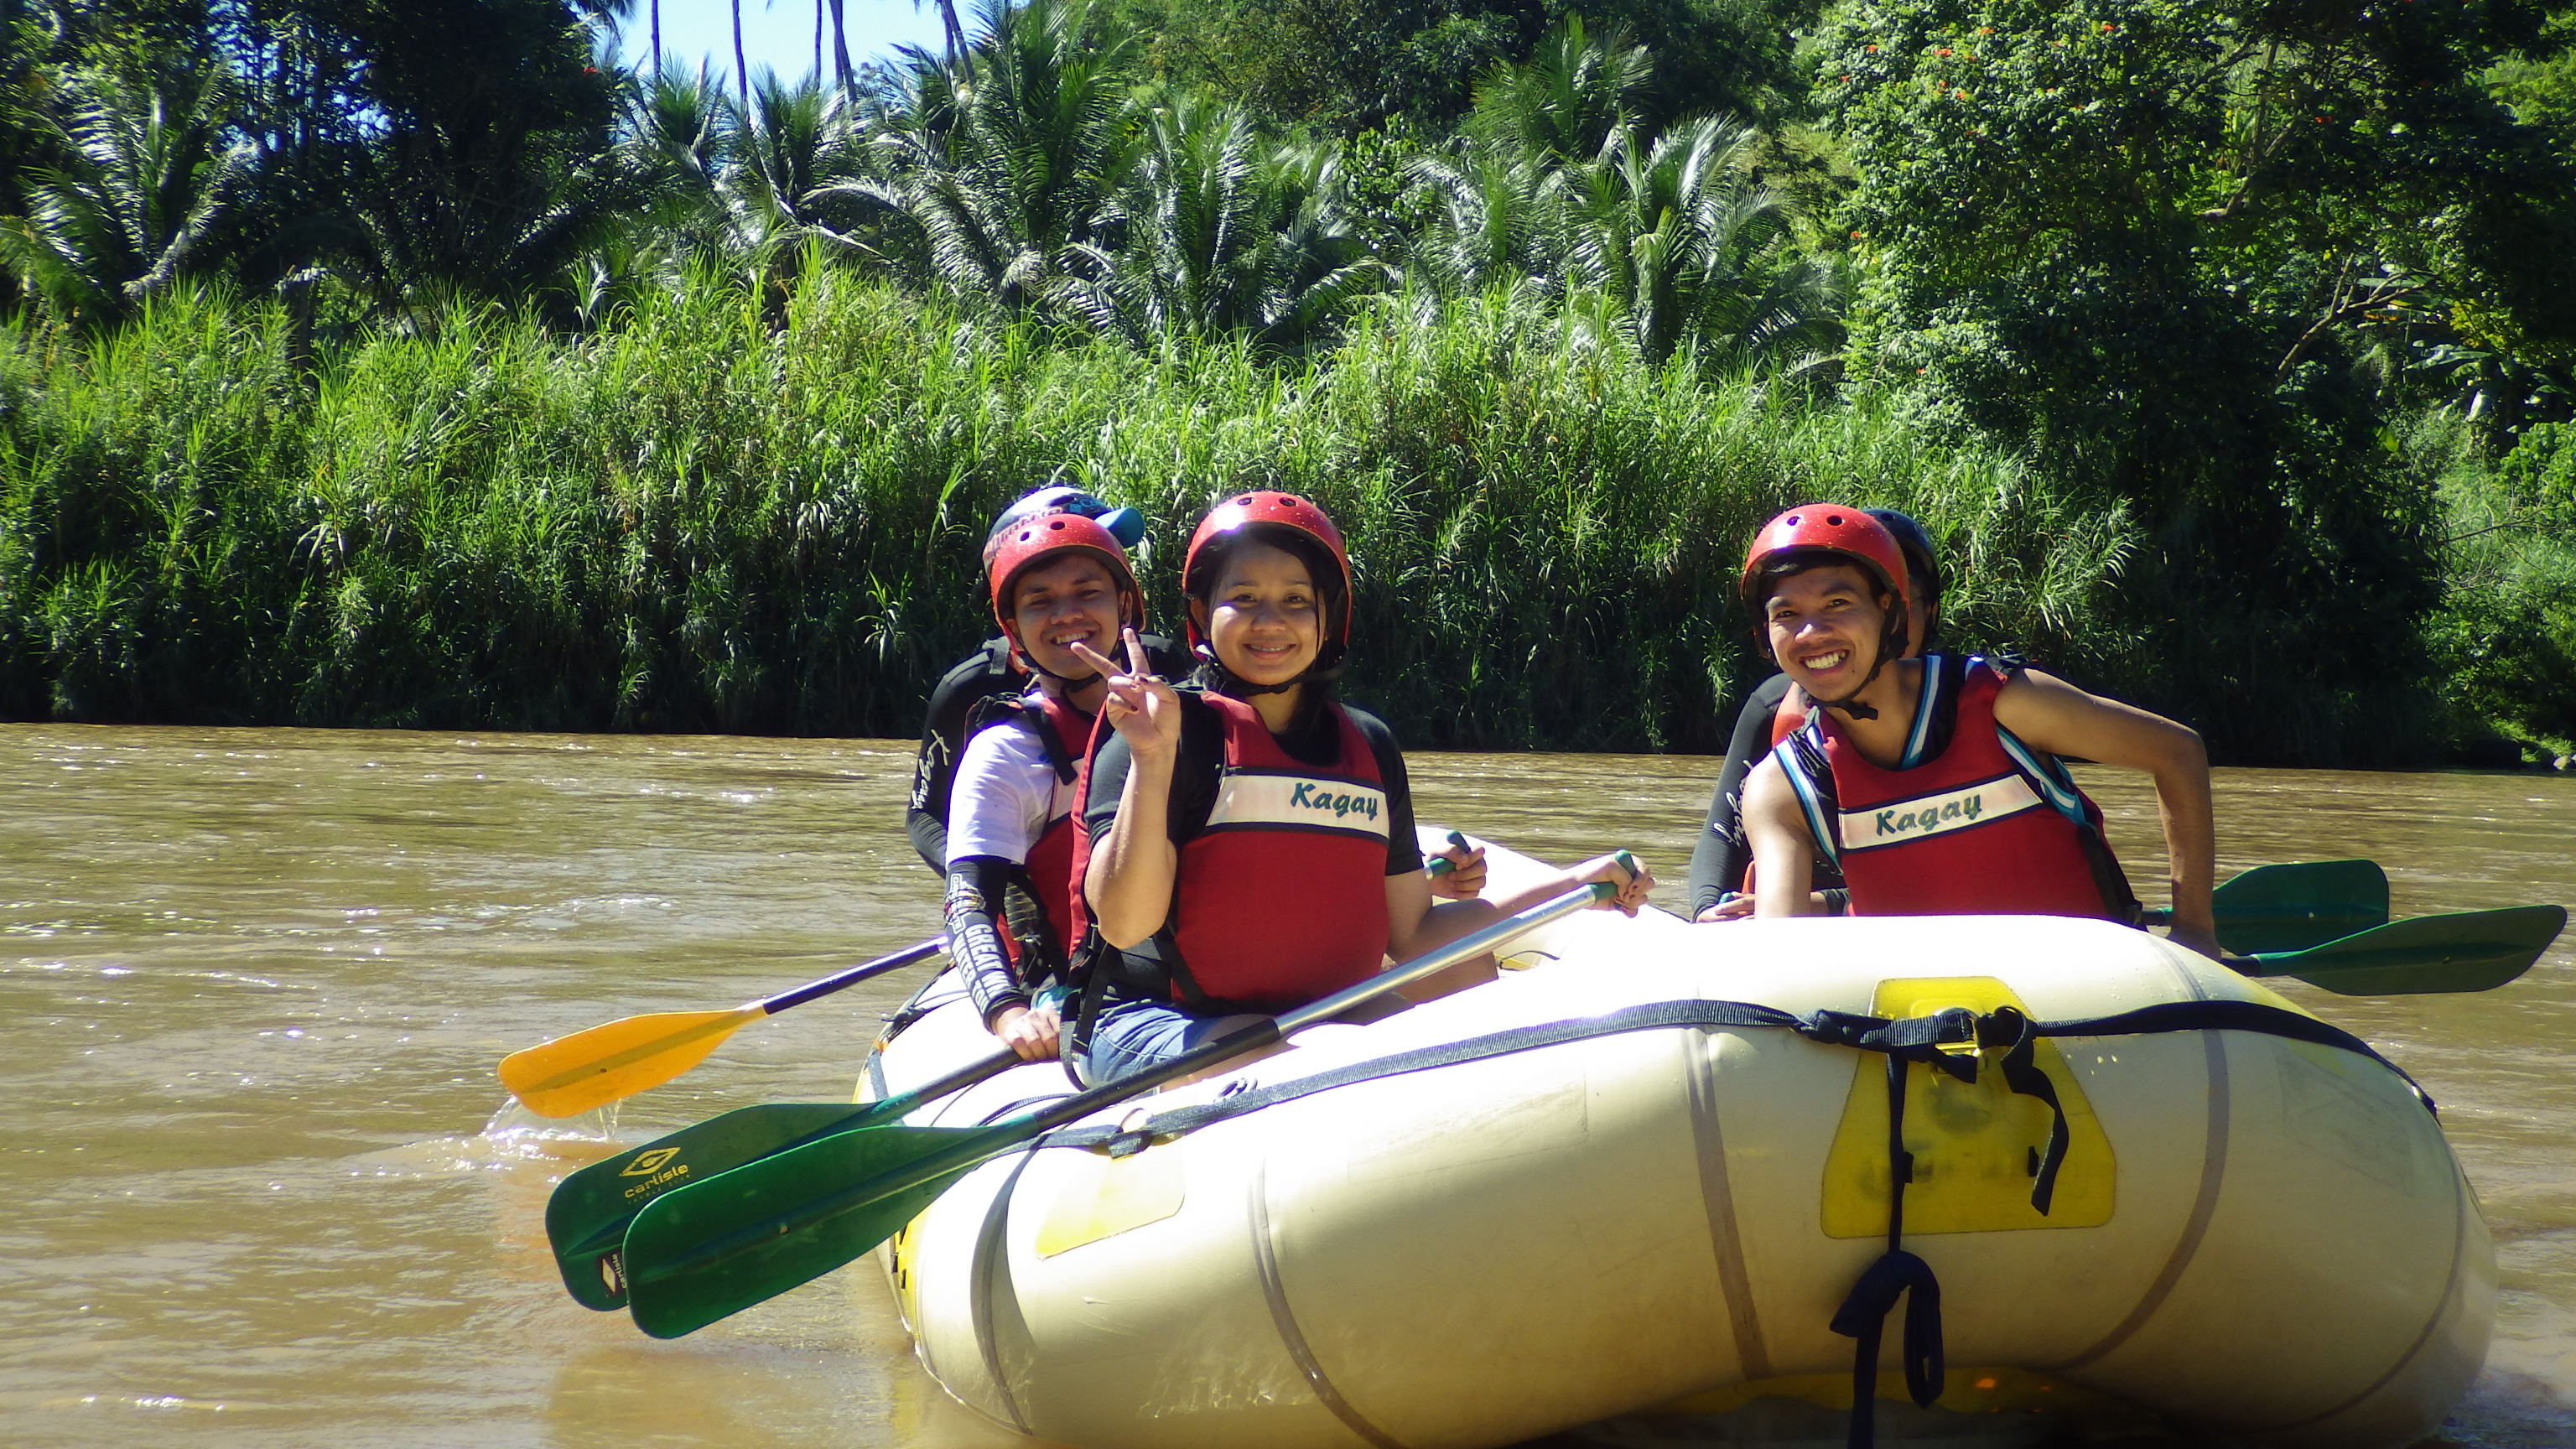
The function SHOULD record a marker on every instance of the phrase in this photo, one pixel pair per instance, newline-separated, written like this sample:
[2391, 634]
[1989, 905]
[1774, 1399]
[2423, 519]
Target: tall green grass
[746, 510]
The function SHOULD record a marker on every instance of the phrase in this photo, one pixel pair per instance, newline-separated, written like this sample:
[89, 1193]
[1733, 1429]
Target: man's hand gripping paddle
[590, 1210]
[2296, 905]
[593, 1068]
[715, 1247]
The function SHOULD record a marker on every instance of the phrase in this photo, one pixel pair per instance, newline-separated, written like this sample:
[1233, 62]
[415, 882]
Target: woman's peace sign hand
[1140, 706]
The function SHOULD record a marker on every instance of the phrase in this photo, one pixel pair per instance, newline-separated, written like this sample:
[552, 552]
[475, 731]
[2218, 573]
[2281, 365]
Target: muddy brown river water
[258, 1186]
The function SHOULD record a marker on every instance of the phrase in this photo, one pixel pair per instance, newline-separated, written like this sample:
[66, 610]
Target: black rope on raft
[1896, 1274]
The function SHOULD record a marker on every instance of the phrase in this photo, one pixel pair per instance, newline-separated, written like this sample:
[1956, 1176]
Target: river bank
[749, 514]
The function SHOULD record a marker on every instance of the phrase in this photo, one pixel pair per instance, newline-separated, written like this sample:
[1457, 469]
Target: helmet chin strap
[1852, 706]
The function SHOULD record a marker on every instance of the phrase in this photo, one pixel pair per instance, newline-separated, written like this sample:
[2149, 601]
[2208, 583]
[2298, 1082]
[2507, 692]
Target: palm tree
[1011, 155]
[841, 70]
[1677, 236]
[741, 69]
[953, 35]
[676, 138]
[1220, 230]
[739, 190]
[791, 152]
[1558, 193]
[1569, 98]
[1493, 225]
[148, 173]
[1506, 189]
[489, 160]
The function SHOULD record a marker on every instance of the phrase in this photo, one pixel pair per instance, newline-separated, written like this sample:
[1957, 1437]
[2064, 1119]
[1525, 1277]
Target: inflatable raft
[1651, 1175]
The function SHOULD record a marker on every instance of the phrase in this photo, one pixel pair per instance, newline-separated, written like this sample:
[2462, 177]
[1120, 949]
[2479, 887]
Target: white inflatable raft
[1607, 1204]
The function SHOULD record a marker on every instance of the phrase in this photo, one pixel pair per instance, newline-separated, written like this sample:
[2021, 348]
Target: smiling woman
[1248, 845]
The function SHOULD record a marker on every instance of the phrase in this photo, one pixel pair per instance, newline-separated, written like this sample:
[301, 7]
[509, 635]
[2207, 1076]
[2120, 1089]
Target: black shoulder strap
[1948, 674]
[987, 711]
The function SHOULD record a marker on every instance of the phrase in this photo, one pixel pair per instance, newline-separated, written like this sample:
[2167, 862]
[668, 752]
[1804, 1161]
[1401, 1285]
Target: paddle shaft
[974, 1147]
[920, 951]
[966, 1076]
[902, 1104]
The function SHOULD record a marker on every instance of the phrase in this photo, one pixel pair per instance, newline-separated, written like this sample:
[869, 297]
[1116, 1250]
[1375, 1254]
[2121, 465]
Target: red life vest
[1281, 898]
[1064, 733]
[1982, 825]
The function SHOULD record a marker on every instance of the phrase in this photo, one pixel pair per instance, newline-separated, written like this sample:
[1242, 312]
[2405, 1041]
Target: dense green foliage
[1350, 65]
[2249, 206]
[708, 518]
[404, 363]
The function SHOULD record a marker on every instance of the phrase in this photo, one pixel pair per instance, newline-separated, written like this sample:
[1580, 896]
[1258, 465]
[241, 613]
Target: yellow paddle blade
[596, 1067]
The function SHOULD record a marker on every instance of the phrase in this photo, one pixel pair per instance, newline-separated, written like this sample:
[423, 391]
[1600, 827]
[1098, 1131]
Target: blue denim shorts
[1132, 1033]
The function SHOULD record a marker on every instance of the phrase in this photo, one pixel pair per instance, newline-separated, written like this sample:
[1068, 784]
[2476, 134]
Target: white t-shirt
[1005, 795]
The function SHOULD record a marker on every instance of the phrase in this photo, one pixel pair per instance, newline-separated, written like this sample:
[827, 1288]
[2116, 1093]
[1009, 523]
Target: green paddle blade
[2463, 951]
[2300, 904]
[587, 1217]
[715, 1248]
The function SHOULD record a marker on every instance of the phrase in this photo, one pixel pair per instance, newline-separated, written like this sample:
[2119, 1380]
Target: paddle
[2295, 905]
[587, 1217]
[2462, 951]
[593, 1068]
[713, 1248]
[588, 1214]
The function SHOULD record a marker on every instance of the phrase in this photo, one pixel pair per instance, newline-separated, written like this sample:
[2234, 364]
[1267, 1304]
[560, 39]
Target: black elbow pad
[974, 938]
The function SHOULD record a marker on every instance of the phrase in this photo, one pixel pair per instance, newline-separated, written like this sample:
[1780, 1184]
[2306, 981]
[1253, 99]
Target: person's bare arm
[2052, 715]
[1129, 880]
[1784, 850]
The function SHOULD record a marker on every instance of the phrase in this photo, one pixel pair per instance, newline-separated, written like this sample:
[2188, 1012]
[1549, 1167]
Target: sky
[779, 33]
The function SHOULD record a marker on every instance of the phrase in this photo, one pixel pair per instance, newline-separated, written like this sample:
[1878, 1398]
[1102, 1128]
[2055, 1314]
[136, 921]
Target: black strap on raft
[1915, 1038]
[1896, 1274]
[1122, 1141]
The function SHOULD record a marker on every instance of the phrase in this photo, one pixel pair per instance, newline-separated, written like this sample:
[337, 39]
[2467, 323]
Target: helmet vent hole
[1793, 520]
[1833, 520]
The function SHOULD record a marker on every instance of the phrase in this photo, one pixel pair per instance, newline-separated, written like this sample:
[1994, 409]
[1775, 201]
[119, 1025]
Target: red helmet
[1841, 532]
[1034, 541]
[1265, 510]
